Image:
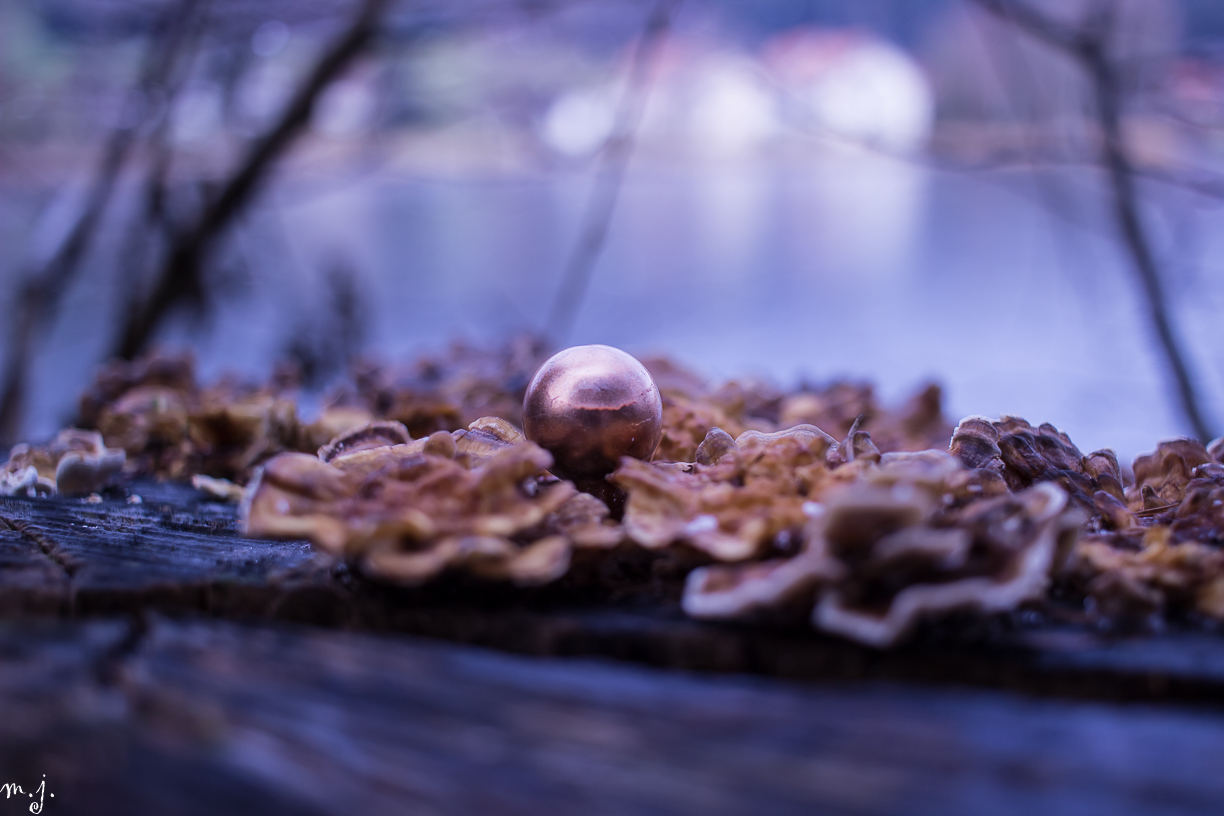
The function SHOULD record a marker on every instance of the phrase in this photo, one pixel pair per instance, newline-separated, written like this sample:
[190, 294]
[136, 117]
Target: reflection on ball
[590, 405]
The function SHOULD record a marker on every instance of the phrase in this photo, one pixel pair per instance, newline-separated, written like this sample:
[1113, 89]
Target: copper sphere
[590, 405]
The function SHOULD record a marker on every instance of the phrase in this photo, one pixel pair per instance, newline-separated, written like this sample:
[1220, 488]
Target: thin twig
[602, 203]
[179, 277]
[1088, 46]
[40, 295]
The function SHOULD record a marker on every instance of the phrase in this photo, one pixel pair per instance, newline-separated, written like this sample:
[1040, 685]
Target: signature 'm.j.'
[10, 789]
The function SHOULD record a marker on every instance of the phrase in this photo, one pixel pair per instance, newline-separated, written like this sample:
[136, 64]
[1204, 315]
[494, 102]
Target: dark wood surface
[123, 685]
[211, 717]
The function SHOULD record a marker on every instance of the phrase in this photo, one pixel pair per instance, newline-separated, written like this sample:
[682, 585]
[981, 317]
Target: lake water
[1005, 286]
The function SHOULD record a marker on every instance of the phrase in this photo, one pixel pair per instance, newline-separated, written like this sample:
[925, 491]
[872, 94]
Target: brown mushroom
[885, 551]
[363, 437]
[1158, 552]
[469, 501]
[75, 463]
[734, 506]
[83, 463]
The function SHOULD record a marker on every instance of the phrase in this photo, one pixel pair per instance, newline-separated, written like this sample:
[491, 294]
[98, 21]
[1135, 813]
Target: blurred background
[1019, 200]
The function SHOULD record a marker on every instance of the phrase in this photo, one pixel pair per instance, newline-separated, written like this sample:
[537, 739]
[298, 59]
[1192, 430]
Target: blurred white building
[709, 100]
[851, 86]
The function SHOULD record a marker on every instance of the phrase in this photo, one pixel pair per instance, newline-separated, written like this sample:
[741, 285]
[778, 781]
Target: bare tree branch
[1035, 23]
[615, 158]
[179, 277]
[40, 295]
[1088, 46]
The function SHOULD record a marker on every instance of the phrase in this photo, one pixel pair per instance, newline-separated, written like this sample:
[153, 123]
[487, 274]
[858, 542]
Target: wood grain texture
[176, 554]
[207, 717]
[121, 684]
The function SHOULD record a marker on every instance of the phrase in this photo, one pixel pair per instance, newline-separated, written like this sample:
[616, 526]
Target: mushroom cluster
[171, 427]
[1157, 548]
[737, 501]
[448, 391]
[1023, 456]
[883, 540]
[691, 408]
[478, 500]
[1150, 546]
[76, 463]
[769, 503]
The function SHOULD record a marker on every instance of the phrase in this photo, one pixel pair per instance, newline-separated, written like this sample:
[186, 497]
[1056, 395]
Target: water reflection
[843, 265]
[838, 264]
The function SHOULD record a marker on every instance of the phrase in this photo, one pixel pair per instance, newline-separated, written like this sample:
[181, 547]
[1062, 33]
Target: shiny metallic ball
[590, 405]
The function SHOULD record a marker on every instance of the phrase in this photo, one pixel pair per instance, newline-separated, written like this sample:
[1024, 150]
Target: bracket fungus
[170, 427]
[1153, 546]
[733, 505]
[1023, 456]
[1158, 548]
[75, 463]
[420, 469]
[478, 500]
[887, 550]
